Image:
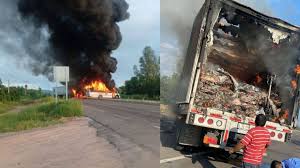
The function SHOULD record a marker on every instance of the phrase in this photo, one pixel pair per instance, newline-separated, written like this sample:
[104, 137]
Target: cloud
[142, 29]
[165, 45]
[169, 55]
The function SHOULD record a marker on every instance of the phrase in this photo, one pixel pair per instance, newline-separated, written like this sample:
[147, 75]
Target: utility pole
[25, 89]
[8, 86]
[66, 76]
[26, 86]
[56, 99]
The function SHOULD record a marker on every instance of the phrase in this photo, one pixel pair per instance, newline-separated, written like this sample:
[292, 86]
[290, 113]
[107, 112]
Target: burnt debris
[259, 52]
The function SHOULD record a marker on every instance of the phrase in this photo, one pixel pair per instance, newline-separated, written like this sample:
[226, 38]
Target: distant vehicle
[101, 95]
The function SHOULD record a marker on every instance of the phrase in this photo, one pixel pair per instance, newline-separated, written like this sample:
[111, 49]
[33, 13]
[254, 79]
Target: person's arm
[244, 142]
[269, 143]
[236, 148]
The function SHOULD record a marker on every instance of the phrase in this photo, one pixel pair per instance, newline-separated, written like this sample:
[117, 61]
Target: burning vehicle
[239, 63]
[96, 89]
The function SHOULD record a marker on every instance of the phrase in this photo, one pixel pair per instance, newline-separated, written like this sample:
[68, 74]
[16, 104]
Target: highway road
[206, 158]
[132, 128]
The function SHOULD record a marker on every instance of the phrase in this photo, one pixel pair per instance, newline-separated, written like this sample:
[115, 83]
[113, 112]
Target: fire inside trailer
[239, 63]
[248, 61]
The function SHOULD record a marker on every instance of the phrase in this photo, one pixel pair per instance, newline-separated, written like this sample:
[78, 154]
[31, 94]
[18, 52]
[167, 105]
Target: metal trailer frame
[196, 59]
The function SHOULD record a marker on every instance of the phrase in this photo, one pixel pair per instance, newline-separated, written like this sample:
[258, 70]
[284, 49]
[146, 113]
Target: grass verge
[40, 116]
[4, 107]
[7, 106]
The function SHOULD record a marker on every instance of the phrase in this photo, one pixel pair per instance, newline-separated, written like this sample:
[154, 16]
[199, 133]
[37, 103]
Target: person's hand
[230, 151]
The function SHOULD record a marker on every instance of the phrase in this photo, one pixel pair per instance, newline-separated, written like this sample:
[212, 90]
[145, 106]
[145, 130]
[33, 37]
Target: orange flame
[74, 91]
[77, 95]
[282, 115]
[297, 69]
[286, 114]
[258, 79]
[294, 84]
[98, 85]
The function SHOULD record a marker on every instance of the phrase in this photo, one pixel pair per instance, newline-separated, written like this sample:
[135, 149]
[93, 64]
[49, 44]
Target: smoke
[78, 33]
[177, 17]
[280, 59]
[274, 51]
[14, 33]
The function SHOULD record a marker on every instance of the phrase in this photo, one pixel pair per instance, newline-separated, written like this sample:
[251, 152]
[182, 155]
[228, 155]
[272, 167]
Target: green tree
[146, 80]
[149, 64]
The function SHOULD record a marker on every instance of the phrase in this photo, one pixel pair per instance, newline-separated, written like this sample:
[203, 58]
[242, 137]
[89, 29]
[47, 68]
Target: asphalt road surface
[207, 158]
[132, 128]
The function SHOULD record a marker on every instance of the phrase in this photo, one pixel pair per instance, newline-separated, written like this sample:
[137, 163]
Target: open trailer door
[200, 37]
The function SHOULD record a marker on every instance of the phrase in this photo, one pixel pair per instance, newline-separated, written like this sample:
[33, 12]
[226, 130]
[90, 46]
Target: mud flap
[187, 134]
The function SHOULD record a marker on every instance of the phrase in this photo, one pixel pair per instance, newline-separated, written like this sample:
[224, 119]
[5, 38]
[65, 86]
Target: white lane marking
[181, 157]
[158, 127]
[121, 117]
[171, 159]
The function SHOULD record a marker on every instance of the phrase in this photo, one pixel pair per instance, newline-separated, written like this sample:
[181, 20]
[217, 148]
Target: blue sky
[287, 10]
[140, 30]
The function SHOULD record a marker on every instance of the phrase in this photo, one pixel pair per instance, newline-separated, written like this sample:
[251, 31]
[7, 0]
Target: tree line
[16, 94]
[146, 80]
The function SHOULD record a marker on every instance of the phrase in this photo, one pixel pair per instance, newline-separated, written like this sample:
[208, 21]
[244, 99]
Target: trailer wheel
[100, 97]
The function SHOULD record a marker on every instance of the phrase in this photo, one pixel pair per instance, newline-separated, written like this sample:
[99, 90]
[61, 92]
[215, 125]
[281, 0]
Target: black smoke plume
[82, 35]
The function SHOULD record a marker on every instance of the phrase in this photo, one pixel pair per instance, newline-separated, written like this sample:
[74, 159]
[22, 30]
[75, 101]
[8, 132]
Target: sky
[140, 30]
[287, 10]
[172, 46]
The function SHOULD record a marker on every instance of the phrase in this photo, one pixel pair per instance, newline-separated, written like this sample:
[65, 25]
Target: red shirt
[255, 142]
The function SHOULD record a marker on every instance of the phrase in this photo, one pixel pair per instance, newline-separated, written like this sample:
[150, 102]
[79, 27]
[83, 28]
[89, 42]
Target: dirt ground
[69, 145]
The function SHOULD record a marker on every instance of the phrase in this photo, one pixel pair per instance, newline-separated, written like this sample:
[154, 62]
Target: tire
[117, 97]
[100, 97]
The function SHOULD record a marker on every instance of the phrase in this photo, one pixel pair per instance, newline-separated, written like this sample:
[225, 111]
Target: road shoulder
[60, 146]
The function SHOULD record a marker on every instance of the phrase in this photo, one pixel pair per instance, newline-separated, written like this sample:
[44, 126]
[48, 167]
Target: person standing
[254, 143]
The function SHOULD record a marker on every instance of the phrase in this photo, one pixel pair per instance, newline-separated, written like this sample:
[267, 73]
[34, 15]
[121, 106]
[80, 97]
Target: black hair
[275, 163]
[260, 120]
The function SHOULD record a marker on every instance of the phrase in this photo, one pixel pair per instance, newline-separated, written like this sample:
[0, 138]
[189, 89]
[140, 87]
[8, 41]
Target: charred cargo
[239, 63]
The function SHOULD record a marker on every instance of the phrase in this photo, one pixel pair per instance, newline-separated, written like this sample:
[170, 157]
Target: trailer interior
[246, 53]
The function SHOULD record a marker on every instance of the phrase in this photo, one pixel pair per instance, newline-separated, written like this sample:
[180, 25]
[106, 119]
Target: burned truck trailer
[239, 63]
